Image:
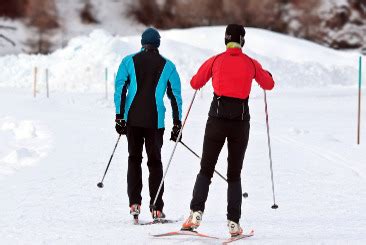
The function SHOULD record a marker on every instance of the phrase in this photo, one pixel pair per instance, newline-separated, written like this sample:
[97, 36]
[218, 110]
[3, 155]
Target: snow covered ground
[54, 151]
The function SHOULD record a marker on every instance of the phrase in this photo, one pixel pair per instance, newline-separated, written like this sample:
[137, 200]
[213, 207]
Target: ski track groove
[323, 153]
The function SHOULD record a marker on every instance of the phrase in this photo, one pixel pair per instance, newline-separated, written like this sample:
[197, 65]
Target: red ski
[236, 238]
[185, 233]
[195, 233]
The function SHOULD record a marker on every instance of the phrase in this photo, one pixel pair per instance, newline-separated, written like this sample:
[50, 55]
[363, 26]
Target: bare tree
[42, 16]
[87, 13]
[146, 12]
[13, 8]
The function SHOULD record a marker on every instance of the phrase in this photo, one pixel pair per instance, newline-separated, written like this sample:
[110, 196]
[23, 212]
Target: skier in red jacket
[232, 73]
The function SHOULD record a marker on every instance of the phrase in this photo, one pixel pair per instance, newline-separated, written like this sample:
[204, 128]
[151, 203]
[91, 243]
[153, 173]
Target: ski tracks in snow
[327, 155]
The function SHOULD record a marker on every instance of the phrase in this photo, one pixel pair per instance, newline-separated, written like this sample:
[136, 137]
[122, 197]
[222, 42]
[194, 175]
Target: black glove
[175, 132]
[121, 126]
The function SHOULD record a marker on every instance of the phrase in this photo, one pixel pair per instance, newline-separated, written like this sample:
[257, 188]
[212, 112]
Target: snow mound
[23, 130]
[21, 156]
[23, 143]
[81, 66]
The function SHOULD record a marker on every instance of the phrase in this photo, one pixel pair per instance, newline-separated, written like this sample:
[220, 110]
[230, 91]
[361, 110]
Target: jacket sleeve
[175, 96]
[120, 89]
[263, 77]
[203, 74]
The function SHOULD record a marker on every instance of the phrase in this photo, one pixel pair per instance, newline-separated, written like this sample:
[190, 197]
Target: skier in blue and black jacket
[141, 83]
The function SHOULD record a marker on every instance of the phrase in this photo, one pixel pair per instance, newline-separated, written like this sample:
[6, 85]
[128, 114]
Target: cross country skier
[141, 83]
[232, 72]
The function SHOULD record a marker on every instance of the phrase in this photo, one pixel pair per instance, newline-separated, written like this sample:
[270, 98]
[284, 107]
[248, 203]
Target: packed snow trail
[319, 173]
[54, 151]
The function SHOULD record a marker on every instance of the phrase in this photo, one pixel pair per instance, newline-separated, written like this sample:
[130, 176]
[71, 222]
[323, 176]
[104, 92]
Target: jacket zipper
[242, 114]
[218, 104]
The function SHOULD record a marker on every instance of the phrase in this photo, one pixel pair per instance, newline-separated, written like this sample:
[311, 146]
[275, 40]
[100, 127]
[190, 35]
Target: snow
[54, 151]
[17, 32]
[78, 67]
[112, 16]
[326, 5]
[24, 143]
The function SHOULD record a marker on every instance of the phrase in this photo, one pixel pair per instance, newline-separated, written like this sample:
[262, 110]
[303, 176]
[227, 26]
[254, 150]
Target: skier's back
[142, 81]
[232, 73]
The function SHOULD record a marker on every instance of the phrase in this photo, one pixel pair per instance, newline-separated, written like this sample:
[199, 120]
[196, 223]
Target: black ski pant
[237, 135]
[153, 139]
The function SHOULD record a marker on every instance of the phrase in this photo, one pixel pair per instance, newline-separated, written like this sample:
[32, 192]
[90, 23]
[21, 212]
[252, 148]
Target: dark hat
[150, 36]
[235, 33]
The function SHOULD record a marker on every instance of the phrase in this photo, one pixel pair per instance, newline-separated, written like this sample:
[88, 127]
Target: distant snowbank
[81, 65]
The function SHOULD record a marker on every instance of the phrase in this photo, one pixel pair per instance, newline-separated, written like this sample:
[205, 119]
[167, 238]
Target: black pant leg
[237, 145]
[134, 174]
[153, 145]
[213, 142]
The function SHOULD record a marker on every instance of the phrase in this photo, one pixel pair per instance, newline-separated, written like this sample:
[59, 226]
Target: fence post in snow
[106, 83]
[114, 80]
[359, 99]
[35, 82]
[47, 86]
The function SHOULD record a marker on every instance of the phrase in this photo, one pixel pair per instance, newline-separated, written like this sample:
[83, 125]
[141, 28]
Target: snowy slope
[81, 65]
[112, 16]
[14, 35]
[54, 151]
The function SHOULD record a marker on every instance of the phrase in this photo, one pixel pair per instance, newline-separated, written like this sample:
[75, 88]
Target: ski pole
[245, 195]
[171, 156]
[274, 206]
[100, 184]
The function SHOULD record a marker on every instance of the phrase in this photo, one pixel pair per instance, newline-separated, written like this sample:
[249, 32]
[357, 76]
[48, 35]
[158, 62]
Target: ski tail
[236, 238]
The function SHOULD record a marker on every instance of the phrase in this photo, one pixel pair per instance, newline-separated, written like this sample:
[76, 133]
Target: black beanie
[150, 36]
[235, 33]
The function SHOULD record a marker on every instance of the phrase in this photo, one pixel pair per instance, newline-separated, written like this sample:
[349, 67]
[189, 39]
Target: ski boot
[157, 215]
[135, 211]
[193, 221]
[234, 228]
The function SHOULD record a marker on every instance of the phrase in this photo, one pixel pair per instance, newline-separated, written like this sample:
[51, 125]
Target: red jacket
[232, 73]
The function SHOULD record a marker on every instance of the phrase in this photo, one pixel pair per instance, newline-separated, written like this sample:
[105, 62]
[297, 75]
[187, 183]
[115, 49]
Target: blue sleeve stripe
[176, 89]
[121, 78]
[125, 72]
[169, 75]
[159, 95]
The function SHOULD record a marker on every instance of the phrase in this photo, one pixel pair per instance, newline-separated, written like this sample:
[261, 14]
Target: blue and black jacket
[141, 83]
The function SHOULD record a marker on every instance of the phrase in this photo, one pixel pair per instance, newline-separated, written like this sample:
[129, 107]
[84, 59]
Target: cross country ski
[202, 235]
[153, 222]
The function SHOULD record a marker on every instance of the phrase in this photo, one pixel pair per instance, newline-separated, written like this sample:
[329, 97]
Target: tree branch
[8, 27]
[8, 39]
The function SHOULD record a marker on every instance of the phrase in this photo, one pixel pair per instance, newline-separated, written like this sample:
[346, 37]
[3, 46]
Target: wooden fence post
[47, 85]
[359, 99]
[106, 83]
[35, 82]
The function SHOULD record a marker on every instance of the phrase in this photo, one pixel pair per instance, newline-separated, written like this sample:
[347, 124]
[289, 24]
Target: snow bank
[23, 143]
[81, 65]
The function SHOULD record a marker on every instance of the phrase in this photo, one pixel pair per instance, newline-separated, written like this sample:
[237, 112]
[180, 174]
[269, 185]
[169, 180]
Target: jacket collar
[234, 51]
[149, 47]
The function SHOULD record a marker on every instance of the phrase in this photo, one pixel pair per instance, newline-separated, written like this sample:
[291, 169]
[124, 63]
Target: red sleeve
[203, 74]
[263, 77]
